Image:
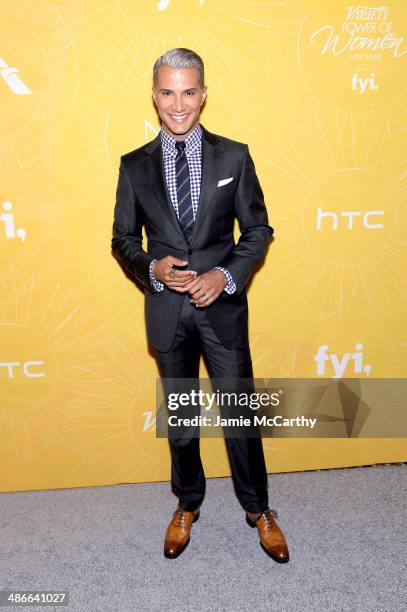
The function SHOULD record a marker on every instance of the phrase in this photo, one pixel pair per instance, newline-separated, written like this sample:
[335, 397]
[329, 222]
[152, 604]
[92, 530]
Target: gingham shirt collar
[192, 142]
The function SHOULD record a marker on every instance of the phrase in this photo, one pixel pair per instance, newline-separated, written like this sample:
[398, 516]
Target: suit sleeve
[255, 232]
[127, 231]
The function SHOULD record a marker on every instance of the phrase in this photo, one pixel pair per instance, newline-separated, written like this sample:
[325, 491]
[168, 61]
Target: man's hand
[206, 288]
[178, 280]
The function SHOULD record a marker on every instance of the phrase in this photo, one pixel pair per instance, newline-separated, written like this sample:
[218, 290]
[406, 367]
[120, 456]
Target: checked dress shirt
[193, 152]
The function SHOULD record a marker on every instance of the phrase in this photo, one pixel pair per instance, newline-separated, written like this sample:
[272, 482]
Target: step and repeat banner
[318, 91]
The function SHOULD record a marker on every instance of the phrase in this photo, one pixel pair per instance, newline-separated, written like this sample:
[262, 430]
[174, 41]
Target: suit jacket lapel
[157, 181]
[210, 163]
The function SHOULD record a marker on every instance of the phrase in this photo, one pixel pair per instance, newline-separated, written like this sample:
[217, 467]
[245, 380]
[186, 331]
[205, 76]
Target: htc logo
[350, 219]
[26, 368]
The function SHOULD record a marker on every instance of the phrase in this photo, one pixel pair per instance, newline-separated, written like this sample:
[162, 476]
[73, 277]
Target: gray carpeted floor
[346, 531]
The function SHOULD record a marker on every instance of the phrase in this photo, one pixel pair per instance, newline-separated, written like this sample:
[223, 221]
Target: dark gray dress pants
[195, 336]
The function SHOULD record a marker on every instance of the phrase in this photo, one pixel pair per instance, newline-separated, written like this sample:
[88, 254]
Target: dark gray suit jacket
[142, 198]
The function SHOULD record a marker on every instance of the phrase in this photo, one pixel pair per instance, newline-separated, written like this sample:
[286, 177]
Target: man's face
[178, 97]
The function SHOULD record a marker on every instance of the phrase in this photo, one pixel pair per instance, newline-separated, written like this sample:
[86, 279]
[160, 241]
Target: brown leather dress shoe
[177, 534]
[272, 539]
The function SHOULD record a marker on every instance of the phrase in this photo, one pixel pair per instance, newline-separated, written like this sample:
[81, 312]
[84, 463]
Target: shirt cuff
[230, 287]
[158, 286]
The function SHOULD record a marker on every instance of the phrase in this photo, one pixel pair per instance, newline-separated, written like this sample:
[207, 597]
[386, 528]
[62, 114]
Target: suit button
[190, 251]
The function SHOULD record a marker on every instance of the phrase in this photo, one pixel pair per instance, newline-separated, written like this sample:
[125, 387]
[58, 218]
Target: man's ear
[153, 95]
[203, 93]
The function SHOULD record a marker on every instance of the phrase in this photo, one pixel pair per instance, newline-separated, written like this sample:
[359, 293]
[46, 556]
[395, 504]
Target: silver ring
[204, 297]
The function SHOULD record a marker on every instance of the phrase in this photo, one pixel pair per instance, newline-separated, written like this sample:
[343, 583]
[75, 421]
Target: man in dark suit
[187, 187]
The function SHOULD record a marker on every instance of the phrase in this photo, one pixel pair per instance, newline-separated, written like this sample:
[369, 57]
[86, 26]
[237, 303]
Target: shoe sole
[274, 557]
[177, 554]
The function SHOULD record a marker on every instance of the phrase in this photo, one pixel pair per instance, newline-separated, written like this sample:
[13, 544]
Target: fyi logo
[12, 79]
[340, 364]
[361, 85]
[163, 4]
[8, 219]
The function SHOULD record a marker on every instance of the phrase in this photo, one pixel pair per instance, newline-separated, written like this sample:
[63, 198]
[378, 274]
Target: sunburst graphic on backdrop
[118, 38]
[334, 71]
[38, 88]
[77, 387]
[84, 405]
[340, 221]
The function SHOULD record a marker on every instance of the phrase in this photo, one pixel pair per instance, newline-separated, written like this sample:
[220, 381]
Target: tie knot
[180, 147]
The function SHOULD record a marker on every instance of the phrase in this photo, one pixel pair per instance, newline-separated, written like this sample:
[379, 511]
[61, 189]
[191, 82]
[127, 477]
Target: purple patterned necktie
[185, 212]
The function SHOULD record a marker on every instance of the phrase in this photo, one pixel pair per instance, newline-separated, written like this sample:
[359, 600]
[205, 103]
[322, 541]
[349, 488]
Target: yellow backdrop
[317, 90]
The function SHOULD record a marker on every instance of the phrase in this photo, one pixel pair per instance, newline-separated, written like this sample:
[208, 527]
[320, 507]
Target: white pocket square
[225, 181]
